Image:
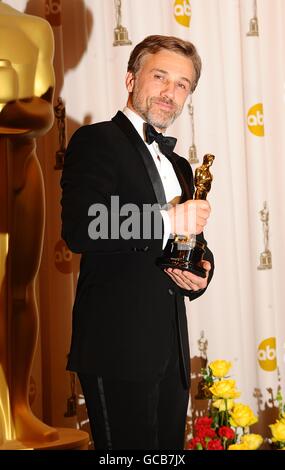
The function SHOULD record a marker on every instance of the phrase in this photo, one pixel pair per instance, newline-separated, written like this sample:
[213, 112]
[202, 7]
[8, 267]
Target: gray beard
[146, 114]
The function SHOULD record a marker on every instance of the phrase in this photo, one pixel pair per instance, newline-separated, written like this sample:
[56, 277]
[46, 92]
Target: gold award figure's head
[203, 177]
[26, 73]
[208, 159]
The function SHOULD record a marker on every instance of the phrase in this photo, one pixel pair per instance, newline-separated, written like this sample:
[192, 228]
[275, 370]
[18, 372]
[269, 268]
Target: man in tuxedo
[130, 340]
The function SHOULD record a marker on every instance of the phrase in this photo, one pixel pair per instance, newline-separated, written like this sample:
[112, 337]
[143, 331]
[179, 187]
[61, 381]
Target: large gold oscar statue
[26, 112]
[26, 91]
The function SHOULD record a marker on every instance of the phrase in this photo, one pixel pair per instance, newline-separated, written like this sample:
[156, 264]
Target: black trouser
[138, 415]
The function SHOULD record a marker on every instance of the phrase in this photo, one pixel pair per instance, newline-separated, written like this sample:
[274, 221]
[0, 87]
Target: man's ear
[130, 81]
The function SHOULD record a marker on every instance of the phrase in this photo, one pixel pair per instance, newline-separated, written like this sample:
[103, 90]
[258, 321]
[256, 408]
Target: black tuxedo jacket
[127, 310]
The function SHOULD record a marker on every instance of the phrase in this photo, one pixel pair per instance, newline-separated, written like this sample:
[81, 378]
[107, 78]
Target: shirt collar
[136, 120]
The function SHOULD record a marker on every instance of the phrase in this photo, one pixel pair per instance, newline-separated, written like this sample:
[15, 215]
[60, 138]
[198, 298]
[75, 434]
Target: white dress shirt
[165, 169]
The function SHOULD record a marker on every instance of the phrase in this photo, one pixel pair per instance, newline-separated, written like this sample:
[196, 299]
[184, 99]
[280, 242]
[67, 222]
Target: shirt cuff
[166, 227]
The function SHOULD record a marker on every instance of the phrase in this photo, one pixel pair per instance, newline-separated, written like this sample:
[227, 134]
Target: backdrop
[238, 115]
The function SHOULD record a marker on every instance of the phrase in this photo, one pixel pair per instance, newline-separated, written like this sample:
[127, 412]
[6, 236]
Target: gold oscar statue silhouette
[186, 253]
[265, 256]
[26, 91]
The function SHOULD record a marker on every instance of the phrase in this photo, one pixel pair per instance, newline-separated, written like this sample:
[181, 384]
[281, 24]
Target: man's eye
[159, 77]
[182, 86]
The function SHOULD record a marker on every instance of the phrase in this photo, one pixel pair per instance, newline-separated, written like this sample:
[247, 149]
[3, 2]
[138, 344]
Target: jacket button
[146, 248]
[170, 292]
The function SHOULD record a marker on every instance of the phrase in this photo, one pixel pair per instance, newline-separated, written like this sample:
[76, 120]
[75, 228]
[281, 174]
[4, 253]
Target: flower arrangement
[278, 429]
[227, 426]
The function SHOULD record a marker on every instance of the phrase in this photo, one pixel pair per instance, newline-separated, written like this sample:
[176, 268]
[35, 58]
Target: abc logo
[255, 120]
[62, 257]
[266, 354]
[182, 12]
[53, 12]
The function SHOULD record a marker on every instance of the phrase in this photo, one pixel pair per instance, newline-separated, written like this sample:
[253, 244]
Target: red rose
[215, 444]
[204, 431]
[195, 444]
[203, 421]
[225, 431]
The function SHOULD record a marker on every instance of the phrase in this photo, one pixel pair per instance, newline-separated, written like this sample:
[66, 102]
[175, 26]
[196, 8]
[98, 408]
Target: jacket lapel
[128, 129]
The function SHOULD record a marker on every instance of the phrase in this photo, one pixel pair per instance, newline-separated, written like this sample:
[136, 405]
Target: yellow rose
[242, 446]
[282, 419]
[253, 441]
[220, 368]
[223, 404]
[224, 389]
[278, 431]
[242, 415]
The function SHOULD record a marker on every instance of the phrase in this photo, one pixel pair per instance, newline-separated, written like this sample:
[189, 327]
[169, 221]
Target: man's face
[159, 89]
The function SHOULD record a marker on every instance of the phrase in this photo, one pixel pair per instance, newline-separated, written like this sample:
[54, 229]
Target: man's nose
[168, 89]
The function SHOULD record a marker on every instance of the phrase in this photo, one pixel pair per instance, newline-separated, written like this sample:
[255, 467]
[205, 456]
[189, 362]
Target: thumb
[206, 265]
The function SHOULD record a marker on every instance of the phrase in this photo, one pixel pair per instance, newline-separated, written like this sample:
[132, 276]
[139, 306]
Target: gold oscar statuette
[27, 82]
[265, 257]
[60, 115]
[121, 35]
[193, 159]
[186, 252]
[253, 24]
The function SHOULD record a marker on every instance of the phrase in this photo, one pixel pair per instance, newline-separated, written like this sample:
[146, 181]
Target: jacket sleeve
[194, 295]
[89, 180]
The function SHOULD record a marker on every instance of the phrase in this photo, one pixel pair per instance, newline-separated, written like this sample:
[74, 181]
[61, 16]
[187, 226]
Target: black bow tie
[166, 144]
